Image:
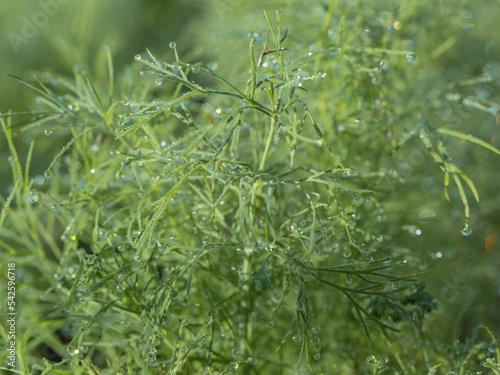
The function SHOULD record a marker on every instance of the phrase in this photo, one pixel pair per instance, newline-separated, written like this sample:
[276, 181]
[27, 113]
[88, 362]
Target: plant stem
[267, 150]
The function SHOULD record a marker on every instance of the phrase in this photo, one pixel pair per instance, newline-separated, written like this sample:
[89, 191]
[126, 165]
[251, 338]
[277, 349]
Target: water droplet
[142, 194]
[55, 208]
[371, 360]
[114, 152]
[136, 233]
[138, 258]
[107, 48]
[315, 341]
[72, 350]
[299, 305]
[257, 36]
[278, 12]
[414, 231]
[85, 73]
[317, 356]
[206, 107]
[411, 57]
[47, 131]
[315, 329]
[348, 278]
[466, 231]
[379, 238]
[466, 19]
[137, 57]
[143, 74]
[47, 174]
[174, 293]
[172, 45]
[270, 323]
[321, 74]
[232, 366]
[347, 253]
[151, 357]
[335, 51]
[120, 175]
[396, 286]
[34, 198]
[437, 255]
[351, 172]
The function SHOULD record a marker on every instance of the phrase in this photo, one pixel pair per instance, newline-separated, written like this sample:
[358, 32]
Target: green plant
[214, 225]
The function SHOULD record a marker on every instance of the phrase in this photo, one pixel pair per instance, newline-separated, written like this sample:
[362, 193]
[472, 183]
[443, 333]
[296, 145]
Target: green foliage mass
[254, 214]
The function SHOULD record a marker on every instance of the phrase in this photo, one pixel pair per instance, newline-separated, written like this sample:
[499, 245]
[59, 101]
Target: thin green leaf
[470, 138]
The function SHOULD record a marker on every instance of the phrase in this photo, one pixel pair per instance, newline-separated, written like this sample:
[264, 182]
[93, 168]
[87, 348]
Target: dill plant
[209, 225]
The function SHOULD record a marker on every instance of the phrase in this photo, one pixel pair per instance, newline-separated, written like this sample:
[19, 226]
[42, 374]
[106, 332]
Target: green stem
[267, 150]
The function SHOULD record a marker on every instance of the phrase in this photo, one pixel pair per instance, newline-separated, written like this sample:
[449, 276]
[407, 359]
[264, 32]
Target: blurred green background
[48, 36]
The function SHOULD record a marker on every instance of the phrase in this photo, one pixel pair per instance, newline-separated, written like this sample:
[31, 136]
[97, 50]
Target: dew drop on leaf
[34, 198]
[151, 358]
[411, 57]
[315, 341]
[466, 231]
[174, 293]
[371, 360]
[232, 366]
[466, 19]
